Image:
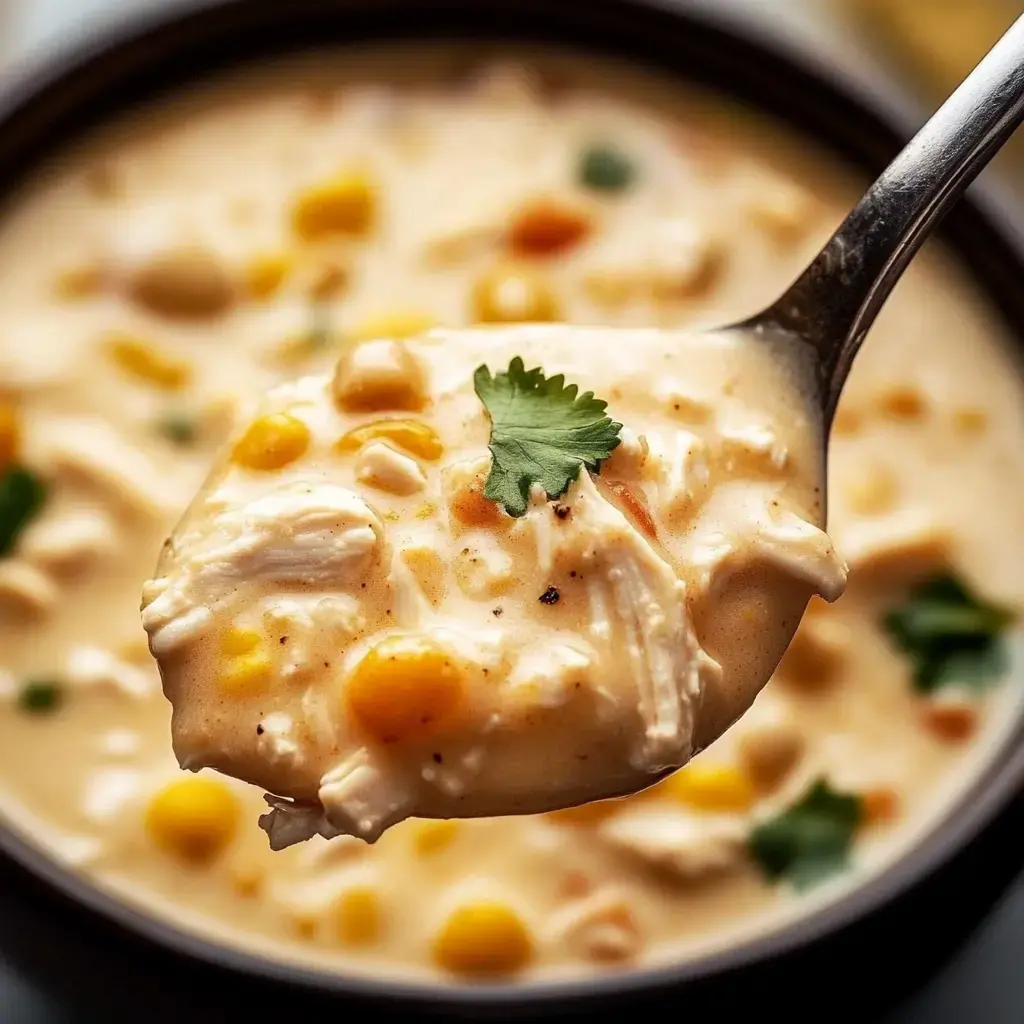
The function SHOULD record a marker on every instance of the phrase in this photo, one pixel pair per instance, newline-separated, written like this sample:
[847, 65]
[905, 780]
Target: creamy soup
[347, 619]
[249, 237]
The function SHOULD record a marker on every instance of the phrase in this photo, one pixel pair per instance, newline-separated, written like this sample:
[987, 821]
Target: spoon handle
[836, 299]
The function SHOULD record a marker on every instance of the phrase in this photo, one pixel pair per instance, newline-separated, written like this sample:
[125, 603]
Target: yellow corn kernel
[412, 435]
[79, 282]
[716, 787]
[398, 325]
[344, 205]
[359, 916]
[193, 819]
[271, 442]
[266, 273]
[485, 937]
[511, 294]
[140, 360]
[245, 674]
[10, 433]
[240, 641]
[404, 688]
[433, 835]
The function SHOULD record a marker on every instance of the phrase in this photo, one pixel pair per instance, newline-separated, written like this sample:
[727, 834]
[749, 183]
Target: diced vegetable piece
[605, 168]
[247, 666]
[881, 805]
[193, 819]
[902, 402]
[412, 435]
[266, 273]
[41, 696]
[811, 840]
[952, 720]
[144, 362]
[375, 376]
[272, 442]
[186, 282]
[713, 787]
[770, 751]
[483, 938]
[10, 434]
[22, 495]
[344, 205]
[464, 488]
[358, 916]
[432, 836]
[397, 325]
[179, 428]
[240, 641]
[405, 688]
[950, 635]
[511, 294]
[547, 227]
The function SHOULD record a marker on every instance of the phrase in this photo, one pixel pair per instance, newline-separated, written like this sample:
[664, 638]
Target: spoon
[833, 303]
[809, 335]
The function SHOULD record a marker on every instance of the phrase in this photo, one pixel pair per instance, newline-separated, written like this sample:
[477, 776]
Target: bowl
[863, 950]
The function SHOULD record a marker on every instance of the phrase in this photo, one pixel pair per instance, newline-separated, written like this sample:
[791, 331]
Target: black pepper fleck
[438, 759]
[283, 640]
[562, 511]
[259, 730]
[572, 573]
[498, 612]
[550, 596]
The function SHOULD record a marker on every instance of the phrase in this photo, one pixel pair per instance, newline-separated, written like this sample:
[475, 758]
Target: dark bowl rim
[52, 73]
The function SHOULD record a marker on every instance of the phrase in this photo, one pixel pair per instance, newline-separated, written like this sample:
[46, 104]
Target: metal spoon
[833, 303]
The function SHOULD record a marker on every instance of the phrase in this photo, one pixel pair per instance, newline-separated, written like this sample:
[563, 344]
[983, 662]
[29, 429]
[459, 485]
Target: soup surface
[250, 234]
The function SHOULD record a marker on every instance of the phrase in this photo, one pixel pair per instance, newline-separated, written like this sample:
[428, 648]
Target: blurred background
[925, 45]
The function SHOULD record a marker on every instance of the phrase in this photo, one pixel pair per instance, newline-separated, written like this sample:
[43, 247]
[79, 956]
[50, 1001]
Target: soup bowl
[848, 957]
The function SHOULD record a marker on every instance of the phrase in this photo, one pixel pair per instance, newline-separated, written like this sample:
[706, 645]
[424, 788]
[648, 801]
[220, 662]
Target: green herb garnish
[542, 432]
[179, 429]
[606, 169]
[22, 495]
[811, 840]
[40, 696]
[950, 635]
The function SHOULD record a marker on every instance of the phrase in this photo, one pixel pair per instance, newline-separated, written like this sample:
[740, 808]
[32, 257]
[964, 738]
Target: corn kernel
[412, 435]
[266, 273]
[546, 227]
[485, 937]
[193, 819]
[10, 433]
[397, 325]
[359, 916]
[432, 836]
[404, 688]
[902, 402]
[510, 294]
[240, 641]
[374, 376]
[245, 674]
[79, 282]
[271, 442]
[344, 205]
[140, 360]
[711, 787]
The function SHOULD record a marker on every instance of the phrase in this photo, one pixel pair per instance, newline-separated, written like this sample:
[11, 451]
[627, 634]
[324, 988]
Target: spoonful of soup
[509, 569]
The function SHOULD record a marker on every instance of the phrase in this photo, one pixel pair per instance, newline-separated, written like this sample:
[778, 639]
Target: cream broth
[214, 249]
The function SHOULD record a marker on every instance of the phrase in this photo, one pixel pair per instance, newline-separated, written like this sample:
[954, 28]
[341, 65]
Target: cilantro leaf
[811, 840]
[949, 634]
[22, 494]
[542, 432]
[41, 696]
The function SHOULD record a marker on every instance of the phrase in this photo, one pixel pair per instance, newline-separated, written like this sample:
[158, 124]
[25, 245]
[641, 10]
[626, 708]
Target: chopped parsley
[811, 840]
[40, 696]
[950, 635]
[605, 168]
[542, 432]
[178, 428]
[22, 495]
